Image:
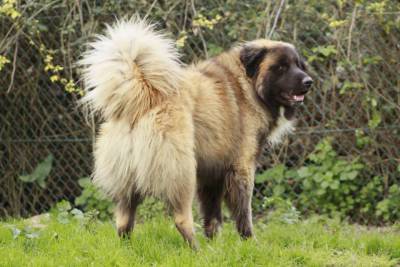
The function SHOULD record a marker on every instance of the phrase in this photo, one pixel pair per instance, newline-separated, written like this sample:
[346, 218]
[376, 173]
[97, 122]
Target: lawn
[86, 242]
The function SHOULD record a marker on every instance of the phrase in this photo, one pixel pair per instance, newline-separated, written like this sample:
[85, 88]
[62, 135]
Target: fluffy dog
[170, 131]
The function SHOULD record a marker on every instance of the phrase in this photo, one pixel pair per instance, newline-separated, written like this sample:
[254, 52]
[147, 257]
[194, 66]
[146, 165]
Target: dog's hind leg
[182, 207]
[210, 197]
[239, 190]
[184, 218]
[171, 169]
[125, 212]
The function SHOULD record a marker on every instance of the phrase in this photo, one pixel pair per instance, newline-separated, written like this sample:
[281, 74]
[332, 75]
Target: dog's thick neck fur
[282, 125]
[281, 118]
[283, 121]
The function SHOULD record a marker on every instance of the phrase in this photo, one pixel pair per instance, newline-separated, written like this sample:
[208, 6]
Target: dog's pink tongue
[298, 97]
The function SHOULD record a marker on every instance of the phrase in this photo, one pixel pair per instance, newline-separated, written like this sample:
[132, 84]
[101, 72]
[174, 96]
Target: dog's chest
[282, 128]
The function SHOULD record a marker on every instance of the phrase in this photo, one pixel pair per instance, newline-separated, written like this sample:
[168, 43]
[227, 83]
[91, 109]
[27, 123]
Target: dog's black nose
[307, 82]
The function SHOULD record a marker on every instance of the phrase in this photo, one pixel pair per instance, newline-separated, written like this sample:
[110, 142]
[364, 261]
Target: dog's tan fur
[170, 131]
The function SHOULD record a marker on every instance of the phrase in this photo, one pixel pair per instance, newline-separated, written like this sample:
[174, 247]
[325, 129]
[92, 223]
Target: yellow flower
[8, 9]
[71, 88]
[202, 21]
[181, 40]
[48, 59]
[378, 7]
[58, 68]
[54, 78]
[3, 61]
[337, 23]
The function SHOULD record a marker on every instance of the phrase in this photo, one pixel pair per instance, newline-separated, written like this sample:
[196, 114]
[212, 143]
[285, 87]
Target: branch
[14, 67]
[278, 13]
[353, 20]
[200, 32]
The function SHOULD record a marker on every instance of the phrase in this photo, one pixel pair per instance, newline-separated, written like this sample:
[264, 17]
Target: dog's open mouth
[297, 98]
[294, 98]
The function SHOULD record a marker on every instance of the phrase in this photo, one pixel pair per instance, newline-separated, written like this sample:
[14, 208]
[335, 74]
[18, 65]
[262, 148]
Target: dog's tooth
[298, 97]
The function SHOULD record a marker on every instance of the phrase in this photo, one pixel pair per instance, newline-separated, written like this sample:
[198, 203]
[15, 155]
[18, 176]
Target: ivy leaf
[84, 182]
[303, 172]
[375, 120]
[320, 192]
[276, 174]
[307, 184]
[291, 174]
[334, 185]
[63, 206]
[324, 184]
[328, 176]
[352, 175]
[318, 177]
[279, 190]
[347, 85]
[325, 51]
[40, 173]
[78, 214]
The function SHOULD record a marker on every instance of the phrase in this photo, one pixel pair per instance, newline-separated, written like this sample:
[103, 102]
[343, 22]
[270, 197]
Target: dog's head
[277, 72]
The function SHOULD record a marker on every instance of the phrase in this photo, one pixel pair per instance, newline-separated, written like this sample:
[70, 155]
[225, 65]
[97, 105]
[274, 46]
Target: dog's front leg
[239, 189]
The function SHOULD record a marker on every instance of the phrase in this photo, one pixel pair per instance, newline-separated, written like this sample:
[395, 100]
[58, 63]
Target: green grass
[157, 243]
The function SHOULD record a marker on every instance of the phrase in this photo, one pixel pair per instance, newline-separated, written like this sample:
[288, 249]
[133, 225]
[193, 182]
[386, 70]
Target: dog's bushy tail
[129, 70]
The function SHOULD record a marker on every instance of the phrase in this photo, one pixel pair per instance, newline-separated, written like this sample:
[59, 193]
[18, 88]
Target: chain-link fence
[352, 99]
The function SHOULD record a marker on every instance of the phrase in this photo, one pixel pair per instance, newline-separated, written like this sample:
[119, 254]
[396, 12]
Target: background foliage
[343, 161]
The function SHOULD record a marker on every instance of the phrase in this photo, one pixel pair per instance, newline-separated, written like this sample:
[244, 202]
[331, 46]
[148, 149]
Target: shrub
[332, 185]
[93, 199]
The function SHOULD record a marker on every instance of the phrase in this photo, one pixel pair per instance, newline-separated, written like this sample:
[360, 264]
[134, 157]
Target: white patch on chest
[283, 127]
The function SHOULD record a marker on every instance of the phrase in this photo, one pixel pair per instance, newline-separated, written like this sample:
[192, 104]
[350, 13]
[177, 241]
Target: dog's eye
[282, 68]
[302, 65]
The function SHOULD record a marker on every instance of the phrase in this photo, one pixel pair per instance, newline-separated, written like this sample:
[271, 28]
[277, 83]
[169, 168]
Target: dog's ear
[251, 58]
